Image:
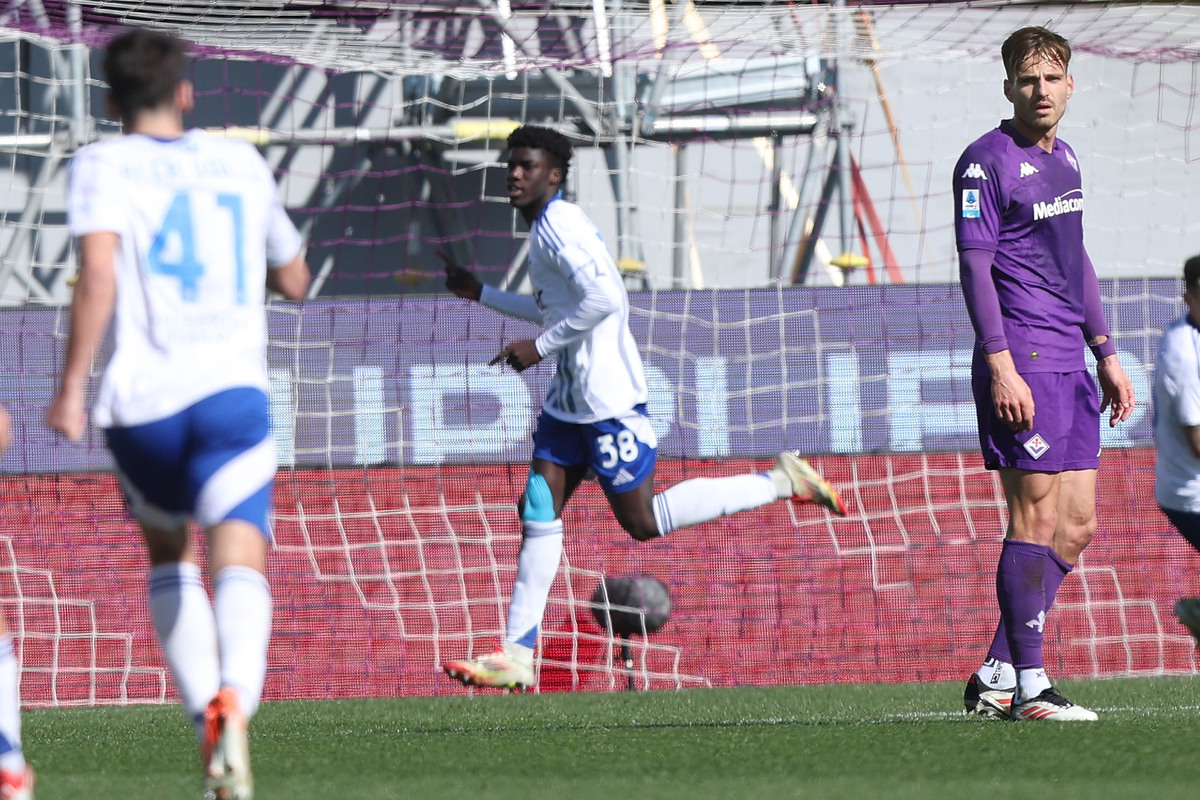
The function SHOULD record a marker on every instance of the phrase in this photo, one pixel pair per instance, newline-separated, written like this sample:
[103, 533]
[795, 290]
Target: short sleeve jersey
[1177, 404]
[1025, 205]
[599, 375]
[199, 223]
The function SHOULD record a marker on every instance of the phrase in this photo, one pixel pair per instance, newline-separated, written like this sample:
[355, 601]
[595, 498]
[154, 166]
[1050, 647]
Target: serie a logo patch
[1036, 446]
[970, 204]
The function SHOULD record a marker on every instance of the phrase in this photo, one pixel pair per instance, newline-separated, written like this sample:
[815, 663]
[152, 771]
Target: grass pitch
[854, 742]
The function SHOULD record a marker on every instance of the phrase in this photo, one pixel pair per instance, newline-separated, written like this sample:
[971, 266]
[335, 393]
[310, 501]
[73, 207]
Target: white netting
[705, 134]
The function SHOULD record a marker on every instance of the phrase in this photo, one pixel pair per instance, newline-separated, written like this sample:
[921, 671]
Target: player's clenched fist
[67, 416]
[459, 280]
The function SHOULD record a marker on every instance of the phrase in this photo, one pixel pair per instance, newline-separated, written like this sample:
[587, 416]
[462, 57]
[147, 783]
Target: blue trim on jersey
[597, 445]
[168, 462]
[550, 202]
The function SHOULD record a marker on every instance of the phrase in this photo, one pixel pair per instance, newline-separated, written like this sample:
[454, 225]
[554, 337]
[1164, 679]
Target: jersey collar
[1019, 139]
[542, 213]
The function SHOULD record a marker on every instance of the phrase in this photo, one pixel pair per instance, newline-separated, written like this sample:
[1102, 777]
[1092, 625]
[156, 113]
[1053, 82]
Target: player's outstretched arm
[5, 430]
[91, 312]
[463, 283]
[1116, 390]
[292, 279]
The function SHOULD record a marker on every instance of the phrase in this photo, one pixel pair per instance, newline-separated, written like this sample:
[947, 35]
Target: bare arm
[1116, 390]
[91, 312]
[292, 279]
[5, 430]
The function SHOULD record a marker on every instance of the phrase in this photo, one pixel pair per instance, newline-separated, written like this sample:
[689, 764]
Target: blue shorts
[621, 451]
[1066, 424]
[213, 461]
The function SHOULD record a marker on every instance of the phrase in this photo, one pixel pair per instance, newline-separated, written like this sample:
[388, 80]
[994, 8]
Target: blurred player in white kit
[179, 234]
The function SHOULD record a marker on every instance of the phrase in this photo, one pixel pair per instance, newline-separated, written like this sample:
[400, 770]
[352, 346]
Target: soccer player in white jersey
[16, 777]
[594, 416]
[179, 234]
[1177, 427]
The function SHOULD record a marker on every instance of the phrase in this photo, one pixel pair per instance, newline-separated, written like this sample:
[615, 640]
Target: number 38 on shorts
[621, 451]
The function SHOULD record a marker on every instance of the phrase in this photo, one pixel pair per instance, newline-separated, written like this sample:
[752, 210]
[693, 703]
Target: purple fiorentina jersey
[1025, 205]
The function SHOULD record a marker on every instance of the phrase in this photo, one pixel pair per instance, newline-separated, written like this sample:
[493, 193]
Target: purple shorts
[1066, 424]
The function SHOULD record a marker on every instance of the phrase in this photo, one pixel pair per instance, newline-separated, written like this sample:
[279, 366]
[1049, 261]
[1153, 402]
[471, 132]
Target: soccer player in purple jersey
[1034, 302]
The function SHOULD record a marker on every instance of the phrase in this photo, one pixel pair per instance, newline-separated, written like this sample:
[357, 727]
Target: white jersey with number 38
[199, 222]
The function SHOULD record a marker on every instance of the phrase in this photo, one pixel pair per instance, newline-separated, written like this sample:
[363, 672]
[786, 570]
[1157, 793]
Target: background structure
[712, 140]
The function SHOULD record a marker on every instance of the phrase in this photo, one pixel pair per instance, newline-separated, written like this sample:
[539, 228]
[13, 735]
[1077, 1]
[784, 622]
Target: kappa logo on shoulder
[1028, 169]
[975, 171]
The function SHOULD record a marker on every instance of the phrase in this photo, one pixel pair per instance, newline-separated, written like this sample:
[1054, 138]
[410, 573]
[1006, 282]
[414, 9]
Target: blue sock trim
[529, 639]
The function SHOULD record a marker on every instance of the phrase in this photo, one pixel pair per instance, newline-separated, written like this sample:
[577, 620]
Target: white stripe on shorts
[236, 480]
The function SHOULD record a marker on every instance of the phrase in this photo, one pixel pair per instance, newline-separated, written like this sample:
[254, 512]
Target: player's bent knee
[537, 505]
[640, 531]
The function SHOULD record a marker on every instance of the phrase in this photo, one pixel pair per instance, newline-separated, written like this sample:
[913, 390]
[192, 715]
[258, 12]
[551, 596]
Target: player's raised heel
[1052, 706]
[16, 784]
[984, 701]
[1187, 611]
[807, 483]
[226, 750]
[508, 668]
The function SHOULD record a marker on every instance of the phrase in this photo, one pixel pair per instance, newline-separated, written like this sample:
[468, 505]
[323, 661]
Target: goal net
[774, 180]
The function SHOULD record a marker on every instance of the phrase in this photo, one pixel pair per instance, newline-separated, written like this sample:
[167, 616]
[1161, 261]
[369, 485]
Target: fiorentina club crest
[1036, 446]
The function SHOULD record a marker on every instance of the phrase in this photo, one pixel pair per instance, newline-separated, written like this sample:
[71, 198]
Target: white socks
[242, 606]
[1030, 683]
[187, 632]
[1026, 683]
[703, 499]
[11, 758]
[541, 550]
[210, 646]
[996, 674]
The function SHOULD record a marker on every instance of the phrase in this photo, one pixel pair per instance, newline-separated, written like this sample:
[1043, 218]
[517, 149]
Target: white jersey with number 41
[199, 222]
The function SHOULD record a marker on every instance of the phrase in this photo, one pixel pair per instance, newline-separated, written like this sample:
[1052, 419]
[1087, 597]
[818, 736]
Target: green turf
[855, 742]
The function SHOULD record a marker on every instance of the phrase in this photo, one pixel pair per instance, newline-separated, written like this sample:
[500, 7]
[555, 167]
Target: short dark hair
[143, 69]
[557, 146]
[1031, 42]
[1191, 275]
